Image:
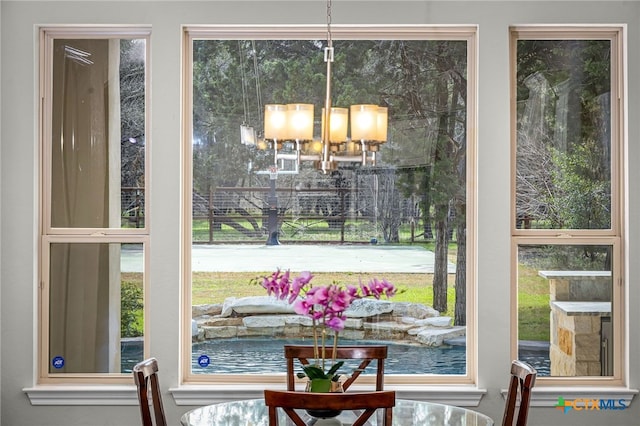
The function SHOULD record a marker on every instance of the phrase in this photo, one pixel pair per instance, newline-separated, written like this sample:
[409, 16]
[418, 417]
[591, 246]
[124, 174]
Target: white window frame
[614, 236]
[228, 386]
[48, 233]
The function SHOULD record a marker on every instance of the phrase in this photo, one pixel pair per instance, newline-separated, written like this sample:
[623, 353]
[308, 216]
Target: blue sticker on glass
[57, 362]
[203, 361]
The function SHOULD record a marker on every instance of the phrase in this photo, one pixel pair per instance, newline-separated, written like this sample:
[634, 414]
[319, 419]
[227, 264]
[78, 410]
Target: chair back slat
[523, 378]
[366, 404]
[366, 354]
[145, 375]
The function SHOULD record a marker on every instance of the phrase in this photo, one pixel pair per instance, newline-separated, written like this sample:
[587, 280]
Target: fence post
[210, 215]
[342, 215]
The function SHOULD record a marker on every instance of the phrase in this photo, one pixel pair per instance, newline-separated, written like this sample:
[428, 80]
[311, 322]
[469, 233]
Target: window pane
[98, 133]
[96, 307]
[564, 309]
[403, 219]
[563, 134]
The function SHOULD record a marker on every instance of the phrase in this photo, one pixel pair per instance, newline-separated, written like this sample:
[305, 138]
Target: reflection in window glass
[98, 133]
[96, 320]
[565, 310]
[403, 219]
[563, 167]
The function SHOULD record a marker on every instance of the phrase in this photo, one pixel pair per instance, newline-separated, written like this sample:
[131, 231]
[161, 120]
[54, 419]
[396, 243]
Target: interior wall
[0, 202]
[19, 176]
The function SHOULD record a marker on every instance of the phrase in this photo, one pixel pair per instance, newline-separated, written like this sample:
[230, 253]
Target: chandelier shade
[367, 124]
[300, 122]
[275, 122]
[338, 123]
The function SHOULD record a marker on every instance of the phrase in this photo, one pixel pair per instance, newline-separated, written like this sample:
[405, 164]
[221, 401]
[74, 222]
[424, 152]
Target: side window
[396, 206]
[567, 200]
[94, 233]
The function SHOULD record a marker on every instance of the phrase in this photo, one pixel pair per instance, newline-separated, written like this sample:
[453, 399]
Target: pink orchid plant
[326, 306]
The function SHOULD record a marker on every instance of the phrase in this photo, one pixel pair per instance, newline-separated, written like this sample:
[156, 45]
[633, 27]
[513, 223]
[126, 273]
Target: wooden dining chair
[366, 354]
[523, 377]
[145, 374]
[366, 403]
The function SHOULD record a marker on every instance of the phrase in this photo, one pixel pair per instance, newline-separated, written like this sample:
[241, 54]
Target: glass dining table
[254, 412]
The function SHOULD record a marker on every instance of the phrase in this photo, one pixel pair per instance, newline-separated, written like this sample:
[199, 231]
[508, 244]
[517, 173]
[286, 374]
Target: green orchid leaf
[314, 372]
[335, 368]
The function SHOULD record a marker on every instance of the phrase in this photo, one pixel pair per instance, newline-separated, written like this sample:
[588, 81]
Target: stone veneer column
[579, 300]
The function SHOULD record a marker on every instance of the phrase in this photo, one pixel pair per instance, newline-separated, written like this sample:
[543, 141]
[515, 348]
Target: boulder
[202, 310]
[256, 305]
[414, 310]
[436, 337]
[434, 322]
[364, 308]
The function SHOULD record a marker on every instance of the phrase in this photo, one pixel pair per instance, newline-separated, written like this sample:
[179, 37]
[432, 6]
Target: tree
[563, 146]
[132, 111]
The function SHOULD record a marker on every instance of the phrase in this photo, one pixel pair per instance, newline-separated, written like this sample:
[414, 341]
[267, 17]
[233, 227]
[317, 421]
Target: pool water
[266, 356]
[256, 356]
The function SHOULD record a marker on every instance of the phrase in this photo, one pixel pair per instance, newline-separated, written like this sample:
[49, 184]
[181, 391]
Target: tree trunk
[440, 265]
[460, 317]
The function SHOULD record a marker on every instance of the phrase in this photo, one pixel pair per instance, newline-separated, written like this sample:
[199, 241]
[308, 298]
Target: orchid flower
[325, 305]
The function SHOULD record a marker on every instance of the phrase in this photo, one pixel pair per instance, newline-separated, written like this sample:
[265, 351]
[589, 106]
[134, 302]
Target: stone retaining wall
[367, 319]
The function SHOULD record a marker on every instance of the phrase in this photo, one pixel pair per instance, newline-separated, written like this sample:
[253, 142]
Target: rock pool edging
[368, 319]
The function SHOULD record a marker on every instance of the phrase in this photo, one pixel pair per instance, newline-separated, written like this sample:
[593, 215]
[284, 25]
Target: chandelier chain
[329, 40]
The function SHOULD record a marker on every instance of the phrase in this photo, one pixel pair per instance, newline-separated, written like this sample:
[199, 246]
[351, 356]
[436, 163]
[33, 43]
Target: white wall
[19, 178]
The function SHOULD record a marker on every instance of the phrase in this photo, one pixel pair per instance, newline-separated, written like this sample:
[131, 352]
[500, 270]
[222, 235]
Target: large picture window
[93, 229]
[257, 202]
[567, 199]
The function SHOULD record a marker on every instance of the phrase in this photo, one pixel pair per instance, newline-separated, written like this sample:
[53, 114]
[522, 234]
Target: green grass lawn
[533, 296]
[214, 287]
[533, 299]
[533, 305]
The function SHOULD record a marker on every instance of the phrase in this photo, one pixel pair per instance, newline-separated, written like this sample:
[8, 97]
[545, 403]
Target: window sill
[82, 395]
[464, 396]
[548, 396]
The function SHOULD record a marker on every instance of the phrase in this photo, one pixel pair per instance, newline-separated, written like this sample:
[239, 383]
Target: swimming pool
[256, 356]
[265, 356]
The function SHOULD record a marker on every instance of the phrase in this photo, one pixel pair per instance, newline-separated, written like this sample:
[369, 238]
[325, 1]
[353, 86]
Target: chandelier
[288, 128]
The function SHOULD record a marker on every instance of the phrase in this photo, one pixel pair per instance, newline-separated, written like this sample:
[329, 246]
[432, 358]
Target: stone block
[260, 305]
[436, 337]
[561, 363]
[220, 322]
[354, 323]
[298, 319]
[587, 347]
[434, 322]
[415, 310]
[264, 321]
[565, 341]
[417, 330]
[202, 310]
[352, 334]
[583, 324]
[595, 369]
[387, 326]
[365, 308]
[565, 321]
[220, 332]
[582, 368]
[559, 289]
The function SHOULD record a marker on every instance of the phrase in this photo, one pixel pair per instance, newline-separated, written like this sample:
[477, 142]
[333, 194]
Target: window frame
[466, 33]
[51, 235]
[614, 236]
